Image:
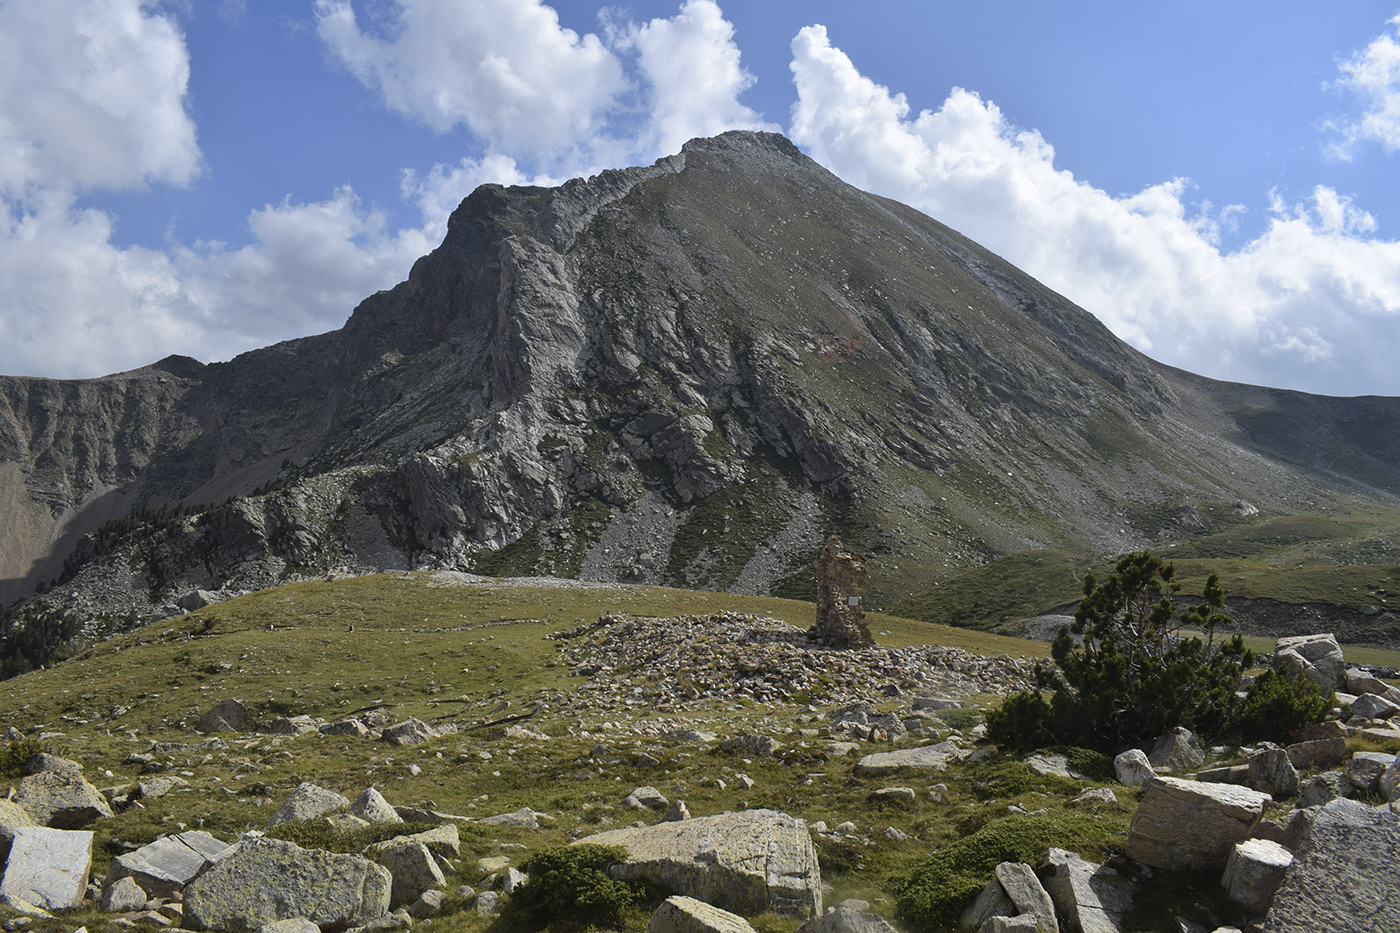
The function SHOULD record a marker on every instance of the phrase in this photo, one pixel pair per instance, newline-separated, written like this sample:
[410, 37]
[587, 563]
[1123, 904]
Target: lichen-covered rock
[1192, 824]
[924, 758]
[260, 880]
[1317, 657]
[371, 807]
[1132, 767]
[166, 865]
[1366, 768]
[61, 799]
[409, 732]
[307, 802]
[1271, 772]
[744, 862]
[1344, 875]
[228, 716]
[681, 914]
[414, 870]
[12, 817]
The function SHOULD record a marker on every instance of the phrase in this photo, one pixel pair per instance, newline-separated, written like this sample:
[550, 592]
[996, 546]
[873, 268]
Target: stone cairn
[840, 581]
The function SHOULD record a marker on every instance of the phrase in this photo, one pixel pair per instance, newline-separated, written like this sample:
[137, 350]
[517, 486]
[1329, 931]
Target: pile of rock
[232, 716]
[673, 663]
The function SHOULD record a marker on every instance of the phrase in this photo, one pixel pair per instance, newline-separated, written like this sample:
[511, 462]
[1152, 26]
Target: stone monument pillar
[840, 582]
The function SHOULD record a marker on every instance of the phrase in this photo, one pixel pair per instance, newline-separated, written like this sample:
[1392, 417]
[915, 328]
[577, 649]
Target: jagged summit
[689, 372]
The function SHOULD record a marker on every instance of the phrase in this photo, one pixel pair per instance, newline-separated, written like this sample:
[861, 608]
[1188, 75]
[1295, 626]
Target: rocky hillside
[686, 373]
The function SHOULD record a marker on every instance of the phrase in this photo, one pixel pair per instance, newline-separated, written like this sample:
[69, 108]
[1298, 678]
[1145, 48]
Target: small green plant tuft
[570, 888]
[14, 753]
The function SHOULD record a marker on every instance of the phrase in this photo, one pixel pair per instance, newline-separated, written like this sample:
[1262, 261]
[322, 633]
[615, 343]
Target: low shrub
[570, 888]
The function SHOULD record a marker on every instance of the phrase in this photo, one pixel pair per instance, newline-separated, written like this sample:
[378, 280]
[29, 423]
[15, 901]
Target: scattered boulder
[1324, 788]
[371, 807]
[895, 796]
[678, 811]
[647, 798]
[1365, 770]
[1360, 683]
[1015, 892]
[227, 716]
[1053, 763]
[1344, 875]
[353, 728]
[1192, 824]
[746, 862]
[123, 896]
[12, 817]
[924, 758]
[1253, 873]
[524, 818]
[1316, 657]
[847, 919]
[409, 732]
[166, 865]
[1271, 772]
[1371, 706]
[1177, 750]
[1318, 753]
[43, 761]
[1090, 898]
[61, 799]
[1090, 795]
[1390, 781]
[48, 867]
[1133, 768]
[260, 880]
[763, 746]
[681, 914]
[307, 802]
[414, 871]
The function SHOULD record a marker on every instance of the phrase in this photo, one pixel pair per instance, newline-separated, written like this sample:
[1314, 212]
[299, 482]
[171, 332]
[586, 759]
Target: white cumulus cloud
[1311, 303]
[1372, 78]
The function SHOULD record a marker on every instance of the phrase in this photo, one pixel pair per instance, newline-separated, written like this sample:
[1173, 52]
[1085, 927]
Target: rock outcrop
[1192, 824]
[745, 862]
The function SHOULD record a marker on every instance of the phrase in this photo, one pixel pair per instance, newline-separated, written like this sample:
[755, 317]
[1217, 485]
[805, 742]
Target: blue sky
[1216, 182]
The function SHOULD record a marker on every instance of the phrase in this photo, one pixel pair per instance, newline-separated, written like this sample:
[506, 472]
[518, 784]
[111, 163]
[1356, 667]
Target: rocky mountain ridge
[685, 373]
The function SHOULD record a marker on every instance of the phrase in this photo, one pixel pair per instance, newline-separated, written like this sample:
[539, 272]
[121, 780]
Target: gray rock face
[1317, 657]
[166, 865]
[12, 817]
[1020, 883]
[1318, 753]
[1089, 897]
[258, 881]
[305, 803]
[409, 732]
[122, 895]
[647, 798]
[1371, 706]
[48, 867]
[1177, 750]
[1344, 877]
[61, 799]
[1132, 767]
[744, 862]
[924, 758]
[681, 914]
[1366, 768]
[1253, 873]
[1192, 824]
[1324, 788]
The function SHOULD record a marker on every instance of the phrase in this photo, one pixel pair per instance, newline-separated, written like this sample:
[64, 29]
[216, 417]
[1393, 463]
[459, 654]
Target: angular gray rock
[524, 818]
[1090, 898]
[744, 862]
[1324, 788]
[1026, 892]
[307, 802]
[991, 901]
[166, 865]
[371, 807]
[259, 880]
[1390, 781]
[847, 919]
[1192, 824]
[1344, 876]
[61, 799]
[1177, 750]
[647, 798]
[409, 732]
[1359, 684]
[676, 812]
[1365, 770]
[414, 869]
[1318, 753]
[443, 841]
[764, 746]
[345, 727]
[682, 914]
[1132, 767]
[924, 758]
[1370, 706]
[123, 895]
[43, 761]
[227, 716]
[1253, 873]
[1271, 772]
[1317, 657]
[48, 867]
[12, 817]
